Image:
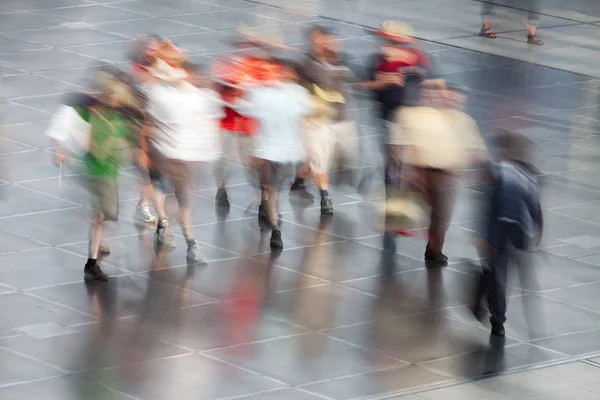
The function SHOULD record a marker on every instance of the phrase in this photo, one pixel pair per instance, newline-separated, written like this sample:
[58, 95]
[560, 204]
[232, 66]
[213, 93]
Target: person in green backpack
[112, 112]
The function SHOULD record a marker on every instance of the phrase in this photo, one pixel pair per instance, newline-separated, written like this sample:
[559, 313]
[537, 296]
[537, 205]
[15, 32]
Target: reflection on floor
[333, 316]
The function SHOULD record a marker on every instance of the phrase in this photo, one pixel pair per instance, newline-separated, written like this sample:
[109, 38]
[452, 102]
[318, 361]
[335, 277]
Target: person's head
[513, 147]
[323, 41]
[113, 88]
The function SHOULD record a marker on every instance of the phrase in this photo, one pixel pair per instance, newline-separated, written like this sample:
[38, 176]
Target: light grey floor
[571, 30]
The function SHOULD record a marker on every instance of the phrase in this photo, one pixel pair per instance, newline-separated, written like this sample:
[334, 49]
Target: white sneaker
[104, 248]
[195, 254]
[143, 214]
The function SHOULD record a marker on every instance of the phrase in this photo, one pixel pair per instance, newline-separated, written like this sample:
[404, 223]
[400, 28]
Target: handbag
[69, 129]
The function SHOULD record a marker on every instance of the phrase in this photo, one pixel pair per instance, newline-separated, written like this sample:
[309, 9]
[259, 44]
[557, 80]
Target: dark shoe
[262, 213]
[94, 273]
[437, 260]
[498, 330]
[534, 39]
[326, 206]
[276, 241]
[222, 199]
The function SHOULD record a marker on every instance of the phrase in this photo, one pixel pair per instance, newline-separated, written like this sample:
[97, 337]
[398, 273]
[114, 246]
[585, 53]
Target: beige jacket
[441, 138]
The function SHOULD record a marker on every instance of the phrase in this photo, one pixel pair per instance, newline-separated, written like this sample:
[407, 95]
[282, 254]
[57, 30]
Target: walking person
[335, 137]
[394, 76]
[280, 109]
[436, 141]
[514, 224]
[113, 116]
[183, 130]
[235, 74]
[533, 15]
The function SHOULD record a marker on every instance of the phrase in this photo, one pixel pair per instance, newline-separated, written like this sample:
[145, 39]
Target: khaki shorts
[177, 172]
[327, 143]
[105, 197]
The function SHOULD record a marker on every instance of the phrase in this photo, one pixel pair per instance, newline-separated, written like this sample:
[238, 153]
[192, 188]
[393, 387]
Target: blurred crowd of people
[289, 122]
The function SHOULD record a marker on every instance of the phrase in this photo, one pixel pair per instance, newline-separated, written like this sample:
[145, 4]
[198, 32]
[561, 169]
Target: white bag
[70, 130]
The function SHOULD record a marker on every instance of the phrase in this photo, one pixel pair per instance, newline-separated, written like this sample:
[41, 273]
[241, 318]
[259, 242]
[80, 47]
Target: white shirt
[187, 121]
[279, 110]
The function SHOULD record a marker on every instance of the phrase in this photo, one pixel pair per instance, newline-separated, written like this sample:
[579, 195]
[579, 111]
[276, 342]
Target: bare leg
[95, 237]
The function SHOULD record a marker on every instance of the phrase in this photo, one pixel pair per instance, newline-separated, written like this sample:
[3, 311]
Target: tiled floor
[332, 317]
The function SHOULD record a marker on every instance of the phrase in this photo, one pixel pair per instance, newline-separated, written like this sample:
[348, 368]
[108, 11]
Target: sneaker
[104, 249]
[534, 39]
[94, 273]
[498, 330]
[164, 234]
[326, 206]
[435, 260]
[221, 198]
[195, 254]
[300, 191]
[143, 215]
[276, 241]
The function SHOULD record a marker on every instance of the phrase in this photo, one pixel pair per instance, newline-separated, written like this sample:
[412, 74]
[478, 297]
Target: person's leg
[222, 168]
[142, 211]
[532, 20]
[181, 175]
[441, 192]
[158, 176]
[272, 179]
[495, 275]
[105, 203]
[486, 14]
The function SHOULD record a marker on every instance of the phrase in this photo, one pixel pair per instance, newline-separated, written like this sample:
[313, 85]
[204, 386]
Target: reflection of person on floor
[533, 16]
[436, 141]
[514, 223]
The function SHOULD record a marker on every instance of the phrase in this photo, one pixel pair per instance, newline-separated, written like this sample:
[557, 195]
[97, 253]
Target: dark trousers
[532, 7]
[440, 190]
[509, 246]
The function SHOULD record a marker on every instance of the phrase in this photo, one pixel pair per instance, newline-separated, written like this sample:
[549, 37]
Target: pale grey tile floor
[332, 317]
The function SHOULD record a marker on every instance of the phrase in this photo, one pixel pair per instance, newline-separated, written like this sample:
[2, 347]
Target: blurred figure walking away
[234, 75]
[533, 9]
[183, 131]
[113, 114]
[279, 108]
[333, 138]
[436, 141]
[394, 75]
[514, 223]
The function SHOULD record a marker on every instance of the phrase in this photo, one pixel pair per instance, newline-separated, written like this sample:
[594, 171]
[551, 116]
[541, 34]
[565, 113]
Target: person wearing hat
[113, 113]
[335, 137]
[514, 222]
[394, 77]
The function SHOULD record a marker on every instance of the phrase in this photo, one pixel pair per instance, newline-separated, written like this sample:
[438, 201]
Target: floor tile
[521, 385]
[32, 311]
[121, 296]
[15, 369]
[216, 381]
[93, 347]
[304, 359]
[377, 383]
[61, 388]
[575, 374]
[212, 326]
